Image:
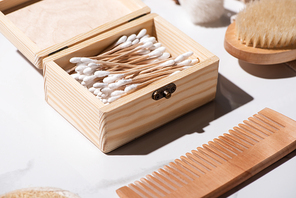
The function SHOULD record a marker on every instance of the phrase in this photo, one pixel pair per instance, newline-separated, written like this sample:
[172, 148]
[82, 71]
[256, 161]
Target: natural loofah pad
[267, 24]
[40, 193]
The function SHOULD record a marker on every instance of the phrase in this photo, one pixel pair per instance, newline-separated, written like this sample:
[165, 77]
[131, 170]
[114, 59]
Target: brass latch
[165, 91]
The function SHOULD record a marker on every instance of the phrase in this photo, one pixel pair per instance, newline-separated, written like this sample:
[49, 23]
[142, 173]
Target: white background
[38, 147]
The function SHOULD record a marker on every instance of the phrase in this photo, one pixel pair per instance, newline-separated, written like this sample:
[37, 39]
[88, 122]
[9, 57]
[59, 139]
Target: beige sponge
[267, 24]
[40, 192]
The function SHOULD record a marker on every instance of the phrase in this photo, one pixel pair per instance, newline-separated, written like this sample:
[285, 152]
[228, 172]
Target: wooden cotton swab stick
[129, 89]
[165, 64]
[126, 65]
[144, 77]
[154, 54]
[119, 47]
[139, 47]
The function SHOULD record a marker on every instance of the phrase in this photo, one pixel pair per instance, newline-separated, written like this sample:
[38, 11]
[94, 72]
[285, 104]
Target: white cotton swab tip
[81, 77]
[143, 51]
[141, 33]
[136, 41]
[130, 88]
[164, 56]
[112, 99]
[75, 60]
[113, 78]
[149, 39]
[117, 93]
[101, 73]
[88, 71]
[161, 49]
[155, 46]
[157, 52]
[119, 83]
[124, 81]
[92, 89]
[106, 90]
[75, 76]
[100, 85]
[88, 79]
[188, 54]
[180, 58]
[93, 65]
[86, 60]
[99, 94]
[125, 44]
[103, 96]
[194, 61]
[167, 63]
[145, 45]
[185, 62]
[174, 73]
[113, 85]
[121, 40]
[144, 37]
[97, 91]
[80, 68]
[132, 37]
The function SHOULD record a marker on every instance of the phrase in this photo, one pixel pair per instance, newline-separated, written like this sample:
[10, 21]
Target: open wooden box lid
[39, 28]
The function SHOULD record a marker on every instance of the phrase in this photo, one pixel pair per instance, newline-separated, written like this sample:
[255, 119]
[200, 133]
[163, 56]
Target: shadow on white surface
[276, 71]
[228, 98]
[259, 175]
[40, 71]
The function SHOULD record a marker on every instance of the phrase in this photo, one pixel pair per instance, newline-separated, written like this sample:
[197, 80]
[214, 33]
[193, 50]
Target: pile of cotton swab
[131, 63]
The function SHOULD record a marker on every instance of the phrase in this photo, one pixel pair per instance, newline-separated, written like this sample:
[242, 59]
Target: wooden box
[110, 126]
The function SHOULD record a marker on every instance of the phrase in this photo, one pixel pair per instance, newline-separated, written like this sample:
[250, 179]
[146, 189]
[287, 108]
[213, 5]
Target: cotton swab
[141, 33]
[132, 62]
[154, 54]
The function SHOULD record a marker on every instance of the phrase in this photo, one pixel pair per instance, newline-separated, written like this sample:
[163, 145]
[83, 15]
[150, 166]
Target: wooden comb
[223, 163]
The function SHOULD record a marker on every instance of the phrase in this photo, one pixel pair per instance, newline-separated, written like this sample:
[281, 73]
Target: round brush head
[267, 24]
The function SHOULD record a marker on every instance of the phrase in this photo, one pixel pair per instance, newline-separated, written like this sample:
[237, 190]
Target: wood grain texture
[74, 103]
[50, 27]
[234, 163]
[18, 38]
[137, 113]
[255, 55]
[49, 22]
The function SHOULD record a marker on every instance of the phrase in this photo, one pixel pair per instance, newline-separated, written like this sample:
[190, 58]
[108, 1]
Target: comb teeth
[224, 162]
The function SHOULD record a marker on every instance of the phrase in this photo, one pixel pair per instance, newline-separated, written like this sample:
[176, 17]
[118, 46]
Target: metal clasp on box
[165, 91]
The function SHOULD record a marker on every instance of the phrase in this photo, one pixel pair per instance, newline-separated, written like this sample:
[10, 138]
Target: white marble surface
[38, 147]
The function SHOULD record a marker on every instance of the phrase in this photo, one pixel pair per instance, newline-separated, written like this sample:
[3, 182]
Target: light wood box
[110, 126]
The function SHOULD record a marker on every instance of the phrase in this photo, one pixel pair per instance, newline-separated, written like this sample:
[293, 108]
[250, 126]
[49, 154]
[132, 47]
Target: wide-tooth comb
[223, 163]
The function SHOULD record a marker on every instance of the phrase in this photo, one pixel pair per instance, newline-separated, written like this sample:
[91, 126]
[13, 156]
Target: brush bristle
[267, 24]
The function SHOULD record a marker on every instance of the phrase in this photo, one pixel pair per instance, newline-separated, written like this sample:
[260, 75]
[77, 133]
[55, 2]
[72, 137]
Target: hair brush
[264, 32]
